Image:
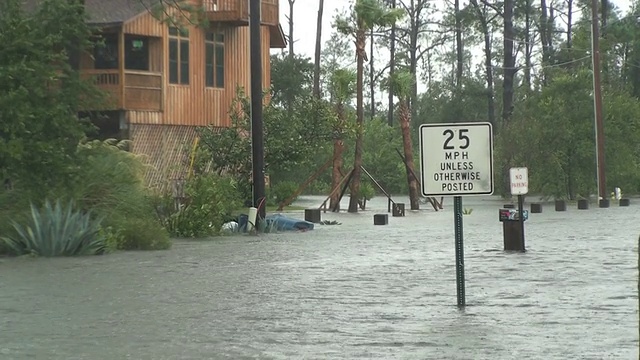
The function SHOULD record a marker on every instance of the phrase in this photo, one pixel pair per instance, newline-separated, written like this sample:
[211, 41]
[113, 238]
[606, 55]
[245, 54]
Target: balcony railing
[237, 11]
[141, 90]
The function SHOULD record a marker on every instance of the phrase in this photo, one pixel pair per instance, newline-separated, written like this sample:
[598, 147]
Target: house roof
[115, 11]
[108, 12]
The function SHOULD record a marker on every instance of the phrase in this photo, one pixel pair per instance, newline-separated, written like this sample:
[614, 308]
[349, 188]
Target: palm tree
[364, 15]
[342, 88]
[402, 83]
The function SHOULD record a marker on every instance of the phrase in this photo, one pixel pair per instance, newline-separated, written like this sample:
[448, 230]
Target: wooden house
[165, 80]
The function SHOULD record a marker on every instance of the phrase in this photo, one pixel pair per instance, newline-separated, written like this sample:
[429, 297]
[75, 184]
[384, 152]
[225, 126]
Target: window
[214, 62]
[178, 56]
[136, 53]
[105, 52]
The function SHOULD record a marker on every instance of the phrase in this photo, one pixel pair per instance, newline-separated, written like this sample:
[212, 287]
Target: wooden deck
[237, 11]
[140, 90]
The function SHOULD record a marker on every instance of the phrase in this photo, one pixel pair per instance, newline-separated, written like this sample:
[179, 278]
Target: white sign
[519, 180]
[456, 159]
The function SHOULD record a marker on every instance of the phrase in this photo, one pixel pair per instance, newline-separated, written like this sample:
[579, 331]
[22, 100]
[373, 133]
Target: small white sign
[456, 159]
[519, 180]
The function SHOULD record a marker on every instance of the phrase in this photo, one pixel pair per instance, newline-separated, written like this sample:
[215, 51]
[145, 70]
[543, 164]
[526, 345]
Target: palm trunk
[338, 149]
[316, 65]
[412, 182]
[361, 43]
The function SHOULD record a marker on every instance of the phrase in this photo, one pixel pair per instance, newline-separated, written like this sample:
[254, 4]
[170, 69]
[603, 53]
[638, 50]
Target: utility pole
[257, 136]
[597, 101]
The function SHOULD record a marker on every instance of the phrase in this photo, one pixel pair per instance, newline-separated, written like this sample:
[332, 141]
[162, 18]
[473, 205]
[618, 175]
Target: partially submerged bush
[209, 202]
[57, 231]
[283, 190]
[109, 182]
[143, 234]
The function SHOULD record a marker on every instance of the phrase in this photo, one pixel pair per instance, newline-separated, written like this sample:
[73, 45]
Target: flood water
[342, 291]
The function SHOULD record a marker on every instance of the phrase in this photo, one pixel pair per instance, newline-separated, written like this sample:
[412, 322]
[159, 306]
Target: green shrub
[142, 234]
[109, 181]
[282, 190]
[57, 231]
[366, 191]
[318, 187]
[210, 201]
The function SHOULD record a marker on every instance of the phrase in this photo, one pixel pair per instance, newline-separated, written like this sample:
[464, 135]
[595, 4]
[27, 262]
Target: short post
[312, 215]
[583, 204]
[398, 209]
[513, 229]
[536, 208]
[624, 202]
[380, 219]
[604, 203]
[561, 205]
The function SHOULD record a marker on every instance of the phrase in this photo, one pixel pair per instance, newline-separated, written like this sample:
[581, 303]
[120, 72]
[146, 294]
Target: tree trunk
[459, 49]
[569, 22]
[509, 71]
[392, 67]
[527, 44]
[372, 78]
[491, 103]
[413, 65]
[509, 62]
[316, 65]
[544, 32]
[361, 44]
[291, 3]
[491, 106]
[412, 182]
[338, 149]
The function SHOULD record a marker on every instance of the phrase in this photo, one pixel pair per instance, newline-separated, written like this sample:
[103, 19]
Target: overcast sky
[306, 11]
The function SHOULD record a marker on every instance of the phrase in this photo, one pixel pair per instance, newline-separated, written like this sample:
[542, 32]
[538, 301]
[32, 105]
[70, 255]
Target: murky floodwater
[348, 291]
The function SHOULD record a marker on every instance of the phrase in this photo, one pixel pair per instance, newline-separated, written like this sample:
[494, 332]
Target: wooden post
[512, 236]
[583, 204]
[312, 215]
[380, 219]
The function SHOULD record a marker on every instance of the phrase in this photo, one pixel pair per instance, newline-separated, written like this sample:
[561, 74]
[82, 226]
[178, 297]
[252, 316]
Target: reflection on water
[348, 291]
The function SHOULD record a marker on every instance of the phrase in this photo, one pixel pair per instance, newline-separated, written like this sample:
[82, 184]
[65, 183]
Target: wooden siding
[140, 90]
[109, 82]
[144, 24]
[148, 97]
[145, 117]
[195, 104]
[236, 12]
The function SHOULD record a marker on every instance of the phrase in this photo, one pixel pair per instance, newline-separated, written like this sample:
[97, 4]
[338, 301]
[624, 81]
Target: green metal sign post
[457, 210]
[456, 160]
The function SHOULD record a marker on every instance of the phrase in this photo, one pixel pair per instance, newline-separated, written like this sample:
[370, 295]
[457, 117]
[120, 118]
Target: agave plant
[56, 231]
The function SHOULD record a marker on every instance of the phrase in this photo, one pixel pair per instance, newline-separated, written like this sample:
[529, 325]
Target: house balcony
[133, 90]
[236, 12]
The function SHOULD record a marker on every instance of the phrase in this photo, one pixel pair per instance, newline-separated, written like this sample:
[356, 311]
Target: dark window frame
[105, 52]
[179, 67]
[214, 59]
[141, 61]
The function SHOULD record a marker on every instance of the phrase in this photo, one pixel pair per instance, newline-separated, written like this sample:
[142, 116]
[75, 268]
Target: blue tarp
[282, 222]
